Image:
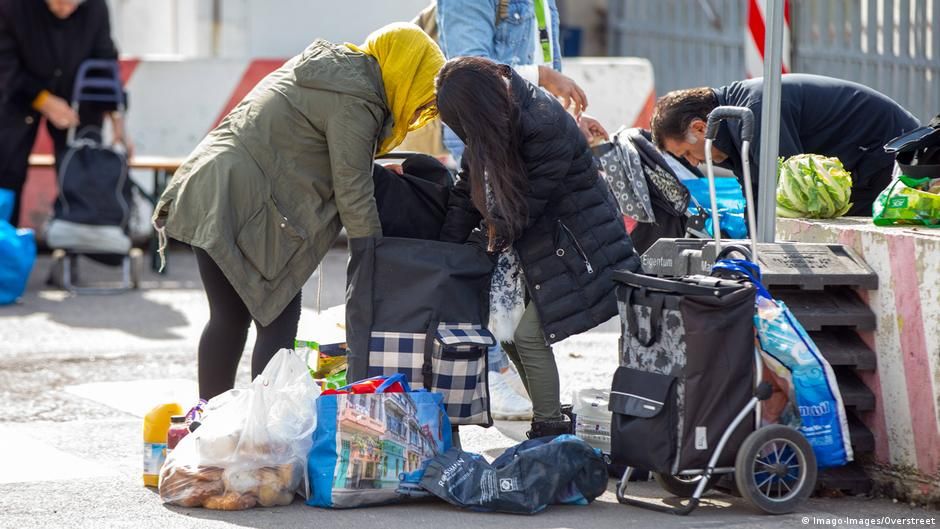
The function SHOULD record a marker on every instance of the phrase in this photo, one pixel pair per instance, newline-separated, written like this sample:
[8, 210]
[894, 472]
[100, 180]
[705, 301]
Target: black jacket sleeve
[17, 86]
[103, 45]
[103, 48]
[789, 145]
[462, 215]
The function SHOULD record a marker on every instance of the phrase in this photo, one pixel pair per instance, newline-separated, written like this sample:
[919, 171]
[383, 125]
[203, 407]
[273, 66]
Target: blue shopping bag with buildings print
[373, 448]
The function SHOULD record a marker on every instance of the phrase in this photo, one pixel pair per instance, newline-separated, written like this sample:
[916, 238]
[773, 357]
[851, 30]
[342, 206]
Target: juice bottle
[178, 430]
[156, 425]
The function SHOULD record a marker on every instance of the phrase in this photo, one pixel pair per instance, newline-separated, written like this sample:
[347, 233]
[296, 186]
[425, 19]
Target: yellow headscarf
[409, 61]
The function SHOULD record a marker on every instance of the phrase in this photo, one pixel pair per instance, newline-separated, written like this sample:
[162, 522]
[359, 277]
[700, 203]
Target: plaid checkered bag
[399, 291]
[453, 364]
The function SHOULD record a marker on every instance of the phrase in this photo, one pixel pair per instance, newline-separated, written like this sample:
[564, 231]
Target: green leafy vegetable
[812, 186]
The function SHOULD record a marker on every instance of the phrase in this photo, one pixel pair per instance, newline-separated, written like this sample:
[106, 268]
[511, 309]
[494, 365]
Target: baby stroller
[686, 397]
[93, 207]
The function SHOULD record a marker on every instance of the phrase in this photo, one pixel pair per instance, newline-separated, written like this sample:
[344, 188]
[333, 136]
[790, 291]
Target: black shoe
[568, 411]
[550, 428]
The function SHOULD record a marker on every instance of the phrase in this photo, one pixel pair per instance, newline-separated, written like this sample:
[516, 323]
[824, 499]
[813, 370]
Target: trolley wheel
[775, 469]
[137, 266]
[679, 486]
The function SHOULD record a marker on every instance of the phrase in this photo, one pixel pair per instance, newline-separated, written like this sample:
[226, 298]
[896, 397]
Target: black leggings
[223, 339]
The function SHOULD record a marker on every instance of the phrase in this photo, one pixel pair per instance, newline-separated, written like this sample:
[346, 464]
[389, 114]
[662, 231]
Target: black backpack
[94, 185]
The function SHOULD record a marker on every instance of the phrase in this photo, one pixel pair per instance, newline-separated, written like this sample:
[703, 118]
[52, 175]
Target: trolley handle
[97, 81]
[746, 117]
[724, 113]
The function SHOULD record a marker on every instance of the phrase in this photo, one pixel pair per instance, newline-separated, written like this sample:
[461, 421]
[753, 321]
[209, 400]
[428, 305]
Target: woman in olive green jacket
[265, 194]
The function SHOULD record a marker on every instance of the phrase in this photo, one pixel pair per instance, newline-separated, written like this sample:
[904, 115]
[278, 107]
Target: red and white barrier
[906, 384]
[754, 43]
[620, 90]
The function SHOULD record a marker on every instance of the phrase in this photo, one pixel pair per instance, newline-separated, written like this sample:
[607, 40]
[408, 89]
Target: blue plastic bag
[731, 204]
[822, 415]
[17, 252]
[790, 349]
[373, 448]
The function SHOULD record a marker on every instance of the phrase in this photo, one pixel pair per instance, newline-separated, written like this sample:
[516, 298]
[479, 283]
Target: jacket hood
[337, 68]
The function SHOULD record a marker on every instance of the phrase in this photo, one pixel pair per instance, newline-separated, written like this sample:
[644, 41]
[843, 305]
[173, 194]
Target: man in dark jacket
[818, 115]
[42, 44]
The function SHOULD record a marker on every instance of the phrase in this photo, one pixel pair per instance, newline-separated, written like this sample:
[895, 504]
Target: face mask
[691, 138]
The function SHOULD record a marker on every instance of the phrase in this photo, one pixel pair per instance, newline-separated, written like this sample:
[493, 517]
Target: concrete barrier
[620, 90]
[906, 383]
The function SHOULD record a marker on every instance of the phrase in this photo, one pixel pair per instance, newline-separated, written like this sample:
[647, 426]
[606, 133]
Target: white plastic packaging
[592, 421]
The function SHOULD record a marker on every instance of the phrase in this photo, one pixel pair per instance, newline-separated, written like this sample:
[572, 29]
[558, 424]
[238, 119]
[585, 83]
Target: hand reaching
[395, 168]
[592, 129]
[564, 88]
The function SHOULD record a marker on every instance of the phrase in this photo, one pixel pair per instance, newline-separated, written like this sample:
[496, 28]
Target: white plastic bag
[252, 446]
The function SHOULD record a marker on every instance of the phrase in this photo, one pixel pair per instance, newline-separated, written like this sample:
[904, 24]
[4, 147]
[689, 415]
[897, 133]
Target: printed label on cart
[701, 438]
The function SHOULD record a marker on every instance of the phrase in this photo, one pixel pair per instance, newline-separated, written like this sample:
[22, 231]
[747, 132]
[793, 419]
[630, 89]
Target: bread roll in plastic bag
[251, 448]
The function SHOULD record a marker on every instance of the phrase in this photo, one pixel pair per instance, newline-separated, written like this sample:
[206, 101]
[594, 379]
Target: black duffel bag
[523, 480]
[412, 205]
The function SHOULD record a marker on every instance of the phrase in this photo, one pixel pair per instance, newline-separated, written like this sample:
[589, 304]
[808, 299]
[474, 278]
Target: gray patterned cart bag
[686, 369]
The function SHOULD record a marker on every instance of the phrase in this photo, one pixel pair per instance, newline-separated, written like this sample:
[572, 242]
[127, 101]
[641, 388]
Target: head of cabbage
[812, 186]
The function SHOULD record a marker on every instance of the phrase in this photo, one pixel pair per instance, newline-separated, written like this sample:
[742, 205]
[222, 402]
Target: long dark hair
[474, 99]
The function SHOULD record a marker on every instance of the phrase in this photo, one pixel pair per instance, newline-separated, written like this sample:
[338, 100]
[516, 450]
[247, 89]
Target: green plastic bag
[908, 201]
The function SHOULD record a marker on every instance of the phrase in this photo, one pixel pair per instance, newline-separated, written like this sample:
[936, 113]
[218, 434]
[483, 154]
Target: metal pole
[712, 194]
[216, 28]
[770, 121]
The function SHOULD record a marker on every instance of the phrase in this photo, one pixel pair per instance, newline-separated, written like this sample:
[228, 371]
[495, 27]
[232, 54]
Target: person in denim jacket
[505, 31]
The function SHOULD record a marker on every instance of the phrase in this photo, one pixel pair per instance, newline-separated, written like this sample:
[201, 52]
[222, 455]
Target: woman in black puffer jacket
[529, 175]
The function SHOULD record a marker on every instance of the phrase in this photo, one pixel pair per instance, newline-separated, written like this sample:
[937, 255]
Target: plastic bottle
[178, 430]
[156, 426]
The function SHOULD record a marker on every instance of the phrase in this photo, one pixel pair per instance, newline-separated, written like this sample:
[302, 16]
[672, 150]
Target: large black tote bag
[420, 307]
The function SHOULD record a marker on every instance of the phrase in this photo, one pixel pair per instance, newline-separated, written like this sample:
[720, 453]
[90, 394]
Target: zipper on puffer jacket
[577, 246]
